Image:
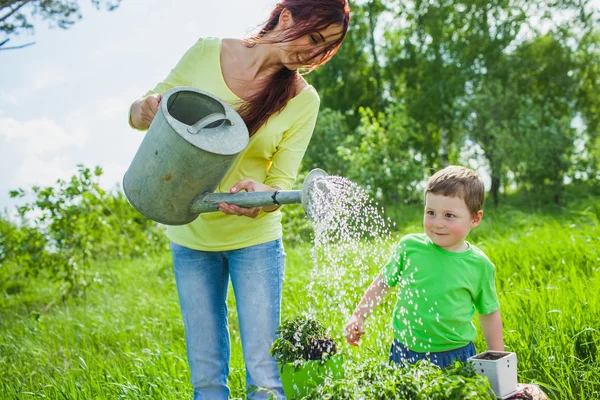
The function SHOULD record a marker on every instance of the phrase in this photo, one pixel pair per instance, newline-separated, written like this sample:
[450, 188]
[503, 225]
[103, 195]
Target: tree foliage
[379, 155]
[512, 82]
[331, 132]
[17, 16]
[521, 115]
[348, 81]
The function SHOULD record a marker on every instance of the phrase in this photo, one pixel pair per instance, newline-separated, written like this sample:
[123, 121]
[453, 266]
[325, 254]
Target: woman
[260, 78]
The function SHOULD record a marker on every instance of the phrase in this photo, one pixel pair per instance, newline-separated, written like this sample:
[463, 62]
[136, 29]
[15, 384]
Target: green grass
[125, 339]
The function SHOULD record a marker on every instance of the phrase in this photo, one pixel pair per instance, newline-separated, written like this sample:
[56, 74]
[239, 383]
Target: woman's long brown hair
[309, 16]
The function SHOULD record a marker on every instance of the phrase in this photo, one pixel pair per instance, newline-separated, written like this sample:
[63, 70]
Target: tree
[588, 102]
[347, 81]
[510, 78]
[488, 120]
[524, 75]
[331, 132]
[16, 15]
[521, 115]
[544, 75]
[434, 55]
[379, 156]
[345, 84]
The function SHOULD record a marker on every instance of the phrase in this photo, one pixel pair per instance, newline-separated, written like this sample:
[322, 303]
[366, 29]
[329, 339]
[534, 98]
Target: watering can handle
[209, 119]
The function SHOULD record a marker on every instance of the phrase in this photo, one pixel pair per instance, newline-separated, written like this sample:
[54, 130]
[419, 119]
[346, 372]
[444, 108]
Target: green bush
[69, 225]
[296, 226]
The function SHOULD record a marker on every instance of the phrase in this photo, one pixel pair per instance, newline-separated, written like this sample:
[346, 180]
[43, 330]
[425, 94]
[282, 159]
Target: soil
[490, 355]
[320, 346]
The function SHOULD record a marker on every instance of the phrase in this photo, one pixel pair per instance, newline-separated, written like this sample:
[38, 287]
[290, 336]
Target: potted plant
[500, 367]
[306, 355]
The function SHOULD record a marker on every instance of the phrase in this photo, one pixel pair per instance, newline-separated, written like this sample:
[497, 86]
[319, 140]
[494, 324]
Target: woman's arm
[491, 326]
[142, 111]
[292, 147]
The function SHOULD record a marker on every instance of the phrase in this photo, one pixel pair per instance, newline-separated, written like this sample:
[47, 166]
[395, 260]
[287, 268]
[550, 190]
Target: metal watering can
[189, 147]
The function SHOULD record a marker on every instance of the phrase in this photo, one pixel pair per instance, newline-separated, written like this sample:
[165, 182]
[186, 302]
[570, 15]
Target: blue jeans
[202, 278]
[442, 359]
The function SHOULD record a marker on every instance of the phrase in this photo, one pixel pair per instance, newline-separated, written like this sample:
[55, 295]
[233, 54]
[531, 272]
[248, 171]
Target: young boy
[442, 278]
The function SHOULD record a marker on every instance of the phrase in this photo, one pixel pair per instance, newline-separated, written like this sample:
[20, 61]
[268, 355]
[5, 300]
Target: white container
[500, 367]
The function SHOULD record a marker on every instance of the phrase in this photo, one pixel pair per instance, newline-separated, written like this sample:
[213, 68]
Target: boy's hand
[376, 292]
[354, 329]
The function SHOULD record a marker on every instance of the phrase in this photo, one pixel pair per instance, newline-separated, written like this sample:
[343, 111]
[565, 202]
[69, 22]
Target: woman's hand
[249, 185]
[144, 110]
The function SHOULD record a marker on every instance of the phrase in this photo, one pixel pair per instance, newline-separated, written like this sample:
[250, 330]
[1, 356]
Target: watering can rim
[200, 141]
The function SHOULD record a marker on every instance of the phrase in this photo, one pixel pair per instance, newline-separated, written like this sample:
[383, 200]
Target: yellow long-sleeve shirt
[273, 155]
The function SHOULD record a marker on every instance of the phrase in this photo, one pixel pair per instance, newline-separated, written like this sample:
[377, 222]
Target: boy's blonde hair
[458, 181]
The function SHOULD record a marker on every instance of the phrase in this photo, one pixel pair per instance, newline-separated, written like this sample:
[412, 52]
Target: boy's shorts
[399, 353]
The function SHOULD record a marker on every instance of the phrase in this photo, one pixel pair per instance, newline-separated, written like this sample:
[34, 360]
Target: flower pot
[500, 367]
[300, 381]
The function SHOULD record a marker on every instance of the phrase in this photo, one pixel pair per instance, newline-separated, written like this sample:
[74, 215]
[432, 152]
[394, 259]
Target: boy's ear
[477, 218]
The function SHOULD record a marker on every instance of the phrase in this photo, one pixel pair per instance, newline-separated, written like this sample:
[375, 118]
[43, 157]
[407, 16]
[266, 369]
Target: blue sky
[64, 100]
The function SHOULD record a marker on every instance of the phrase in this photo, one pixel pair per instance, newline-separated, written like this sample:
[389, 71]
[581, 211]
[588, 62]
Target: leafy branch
[16, 16]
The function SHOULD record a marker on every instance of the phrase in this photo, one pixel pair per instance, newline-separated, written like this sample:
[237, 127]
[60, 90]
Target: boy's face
[447, 221]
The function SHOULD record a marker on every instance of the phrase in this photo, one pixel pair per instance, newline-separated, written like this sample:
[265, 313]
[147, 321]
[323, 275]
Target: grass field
[125, 339]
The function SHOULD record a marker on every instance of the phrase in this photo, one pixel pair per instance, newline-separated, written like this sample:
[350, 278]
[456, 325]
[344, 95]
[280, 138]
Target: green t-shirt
[438, 294]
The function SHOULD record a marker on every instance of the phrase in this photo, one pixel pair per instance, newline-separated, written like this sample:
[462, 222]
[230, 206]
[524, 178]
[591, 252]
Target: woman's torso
[279, 140]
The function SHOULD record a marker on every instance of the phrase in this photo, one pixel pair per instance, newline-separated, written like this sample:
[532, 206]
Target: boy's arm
[374, 295]
[491, 326]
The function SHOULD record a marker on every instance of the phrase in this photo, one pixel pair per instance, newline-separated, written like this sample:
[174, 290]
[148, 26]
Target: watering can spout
[209, 202]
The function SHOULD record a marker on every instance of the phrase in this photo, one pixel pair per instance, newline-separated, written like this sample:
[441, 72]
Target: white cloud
[37, 152]
[8, 99]
[43, 135]
[40, 86]
[115, 107]
[42, 77]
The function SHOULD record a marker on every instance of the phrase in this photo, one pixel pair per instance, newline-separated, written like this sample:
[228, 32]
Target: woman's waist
[219, 232]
